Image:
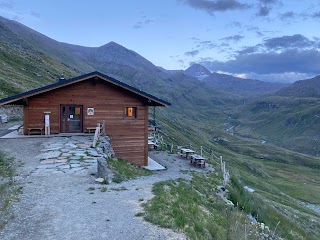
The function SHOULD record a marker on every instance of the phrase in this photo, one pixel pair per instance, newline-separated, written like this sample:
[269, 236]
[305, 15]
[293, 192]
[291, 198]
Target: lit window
[131, 112]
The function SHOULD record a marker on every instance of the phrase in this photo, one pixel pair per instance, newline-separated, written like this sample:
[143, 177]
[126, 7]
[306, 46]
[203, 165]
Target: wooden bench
[35, 130]
[93, 129]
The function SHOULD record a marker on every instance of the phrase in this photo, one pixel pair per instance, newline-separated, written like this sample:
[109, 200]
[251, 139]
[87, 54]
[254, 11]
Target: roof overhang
[21, 98]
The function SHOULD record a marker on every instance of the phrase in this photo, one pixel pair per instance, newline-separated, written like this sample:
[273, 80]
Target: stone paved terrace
[67, 155]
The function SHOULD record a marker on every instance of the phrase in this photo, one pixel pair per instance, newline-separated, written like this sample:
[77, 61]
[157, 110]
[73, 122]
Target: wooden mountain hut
[76, 105]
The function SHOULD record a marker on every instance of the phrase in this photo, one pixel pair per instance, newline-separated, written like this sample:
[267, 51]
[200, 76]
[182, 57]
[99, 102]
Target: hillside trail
[69, 206]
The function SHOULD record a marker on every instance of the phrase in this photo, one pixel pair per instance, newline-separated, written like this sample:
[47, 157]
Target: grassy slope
[23, 71]
[274, 172]
[23, 67]
[293, 123]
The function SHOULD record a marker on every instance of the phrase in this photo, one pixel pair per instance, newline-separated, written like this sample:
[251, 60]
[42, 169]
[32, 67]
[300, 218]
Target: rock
[74, 162]
[48, 161]
[49, 154]
[75, 165]
[99, 180]
[102, 168]
[61, 161]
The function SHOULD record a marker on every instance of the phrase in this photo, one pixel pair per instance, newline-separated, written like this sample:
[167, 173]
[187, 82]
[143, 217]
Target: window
[131, 112]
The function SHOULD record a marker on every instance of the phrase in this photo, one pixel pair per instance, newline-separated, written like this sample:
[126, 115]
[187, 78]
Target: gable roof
[18, 98]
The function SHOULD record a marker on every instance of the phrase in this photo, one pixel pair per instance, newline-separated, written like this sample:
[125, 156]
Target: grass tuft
[8, 190]
[123, 170]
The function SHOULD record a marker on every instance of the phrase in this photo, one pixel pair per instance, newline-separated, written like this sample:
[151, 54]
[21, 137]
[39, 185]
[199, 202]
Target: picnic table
[185, 152]
[152, 145]
[197, 160]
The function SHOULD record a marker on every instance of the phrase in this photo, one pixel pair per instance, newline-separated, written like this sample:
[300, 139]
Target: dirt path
[64, 206]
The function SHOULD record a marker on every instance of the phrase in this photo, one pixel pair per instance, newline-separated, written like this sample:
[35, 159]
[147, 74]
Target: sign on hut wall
[90, 111]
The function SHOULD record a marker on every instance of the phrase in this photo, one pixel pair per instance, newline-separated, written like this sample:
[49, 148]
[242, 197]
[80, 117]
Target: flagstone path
[68, 155]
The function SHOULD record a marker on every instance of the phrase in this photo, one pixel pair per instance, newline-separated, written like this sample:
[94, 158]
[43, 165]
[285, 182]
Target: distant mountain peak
[112, 44]
[197, 71]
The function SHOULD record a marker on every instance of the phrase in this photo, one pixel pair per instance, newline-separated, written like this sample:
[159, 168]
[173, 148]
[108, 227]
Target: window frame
[134, 112]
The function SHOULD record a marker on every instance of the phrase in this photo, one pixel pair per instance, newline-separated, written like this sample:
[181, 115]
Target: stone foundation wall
[104, 148]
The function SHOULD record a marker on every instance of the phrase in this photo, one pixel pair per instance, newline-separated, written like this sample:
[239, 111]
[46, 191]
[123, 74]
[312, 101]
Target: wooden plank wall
[128, 136]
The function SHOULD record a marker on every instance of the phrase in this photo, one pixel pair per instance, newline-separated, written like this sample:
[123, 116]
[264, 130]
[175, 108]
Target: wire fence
[175, 148]
[206, 153]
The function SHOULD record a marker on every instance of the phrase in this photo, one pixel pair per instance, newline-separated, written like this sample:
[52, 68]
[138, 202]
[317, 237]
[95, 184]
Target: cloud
[285, 77]
[145, 21]
[206, 44]
[192, 53]
[8, 9]
[264, 11]
[288, 15]
[212, 6]
[255, 30]
[294, 41]
[236, 24]
[305, 61]
[35, 14]
[266, 6]
[268, 1]
[234, 38]
[286, 58]
[247, 50]
[316, 15]
[6, 4]
[201, 45]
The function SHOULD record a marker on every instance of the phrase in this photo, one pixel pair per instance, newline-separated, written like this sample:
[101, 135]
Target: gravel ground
[74, 207]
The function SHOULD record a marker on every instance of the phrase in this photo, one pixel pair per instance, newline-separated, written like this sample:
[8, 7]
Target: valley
[228, 115]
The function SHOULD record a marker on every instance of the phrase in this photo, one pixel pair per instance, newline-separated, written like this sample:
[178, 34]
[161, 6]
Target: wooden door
[71, 118]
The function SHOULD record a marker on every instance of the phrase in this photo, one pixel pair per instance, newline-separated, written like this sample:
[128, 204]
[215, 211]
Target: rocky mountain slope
[302, 88]
[231, 84]
[240, 86]
[198, 71]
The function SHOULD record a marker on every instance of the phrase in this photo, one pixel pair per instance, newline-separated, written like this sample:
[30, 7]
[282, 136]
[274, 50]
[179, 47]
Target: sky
[270, 40]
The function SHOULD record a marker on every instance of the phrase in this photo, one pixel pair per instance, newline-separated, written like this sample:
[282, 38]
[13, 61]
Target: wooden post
[46, 123]
[96, 135]
[201, 150]
[211, 155]
[225, 174]
[104, 127]
[171, 148]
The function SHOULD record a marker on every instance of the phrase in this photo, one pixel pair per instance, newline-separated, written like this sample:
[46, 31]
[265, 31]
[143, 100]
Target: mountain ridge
[302, 88]
[235, 85]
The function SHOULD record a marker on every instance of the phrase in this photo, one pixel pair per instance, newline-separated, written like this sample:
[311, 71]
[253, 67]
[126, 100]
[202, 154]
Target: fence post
[96, 135]
[171, 149]
[104, 127]
[225, 173]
